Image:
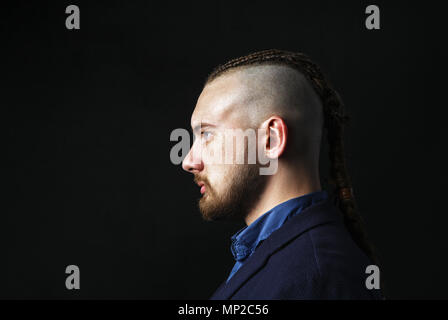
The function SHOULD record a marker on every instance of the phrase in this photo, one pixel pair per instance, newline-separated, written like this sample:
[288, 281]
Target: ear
[276, 133]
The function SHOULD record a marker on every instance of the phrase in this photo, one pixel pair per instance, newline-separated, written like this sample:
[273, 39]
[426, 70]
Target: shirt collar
[246, 240]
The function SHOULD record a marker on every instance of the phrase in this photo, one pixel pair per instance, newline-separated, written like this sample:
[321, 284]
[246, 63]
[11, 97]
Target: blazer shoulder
[322, 263]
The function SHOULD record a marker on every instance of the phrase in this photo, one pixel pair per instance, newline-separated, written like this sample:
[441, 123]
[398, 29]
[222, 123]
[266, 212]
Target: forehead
[221, 101]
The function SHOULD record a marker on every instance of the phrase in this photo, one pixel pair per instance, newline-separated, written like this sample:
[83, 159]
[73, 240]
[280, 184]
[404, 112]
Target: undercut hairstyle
[334, 120]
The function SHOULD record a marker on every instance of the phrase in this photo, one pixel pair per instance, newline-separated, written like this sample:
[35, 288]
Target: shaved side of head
[273, 89]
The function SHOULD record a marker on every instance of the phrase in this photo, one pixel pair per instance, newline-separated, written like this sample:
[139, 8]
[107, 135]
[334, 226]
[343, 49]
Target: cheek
[208, 153]
[213, 152]
[219, 176]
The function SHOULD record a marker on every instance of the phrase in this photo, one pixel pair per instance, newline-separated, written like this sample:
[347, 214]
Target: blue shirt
[245, 241]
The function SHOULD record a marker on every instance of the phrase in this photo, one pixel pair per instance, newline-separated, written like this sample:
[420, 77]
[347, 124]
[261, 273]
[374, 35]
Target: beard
[242, 190]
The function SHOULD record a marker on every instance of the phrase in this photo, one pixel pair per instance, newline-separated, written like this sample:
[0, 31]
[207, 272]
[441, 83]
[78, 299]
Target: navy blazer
[312, 256]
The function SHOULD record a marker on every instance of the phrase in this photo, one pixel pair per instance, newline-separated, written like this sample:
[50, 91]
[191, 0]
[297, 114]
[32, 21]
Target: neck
[287, 183]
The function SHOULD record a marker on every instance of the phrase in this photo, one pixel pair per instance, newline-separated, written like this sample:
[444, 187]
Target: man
[299, 243]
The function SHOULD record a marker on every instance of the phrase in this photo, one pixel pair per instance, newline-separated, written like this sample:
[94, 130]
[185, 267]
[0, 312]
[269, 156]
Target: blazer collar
[313, 216]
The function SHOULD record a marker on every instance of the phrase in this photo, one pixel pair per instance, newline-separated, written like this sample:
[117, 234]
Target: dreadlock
[334, 121]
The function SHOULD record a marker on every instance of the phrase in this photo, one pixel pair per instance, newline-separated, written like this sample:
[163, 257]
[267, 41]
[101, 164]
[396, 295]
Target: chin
[212, 211]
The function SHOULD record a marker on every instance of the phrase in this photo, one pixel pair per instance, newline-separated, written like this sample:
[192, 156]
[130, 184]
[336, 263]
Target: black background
[87, 115]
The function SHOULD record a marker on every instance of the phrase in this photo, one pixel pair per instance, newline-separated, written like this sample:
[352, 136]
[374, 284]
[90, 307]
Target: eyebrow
[202, 125]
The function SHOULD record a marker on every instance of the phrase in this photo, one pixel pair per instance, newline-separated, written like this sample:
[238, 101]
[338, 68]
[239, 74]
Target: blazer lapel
[311, 217]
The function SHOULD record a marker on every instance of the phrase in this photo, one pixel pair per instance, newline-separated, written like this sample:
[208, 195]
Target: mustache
[198, 179]
[204, 180]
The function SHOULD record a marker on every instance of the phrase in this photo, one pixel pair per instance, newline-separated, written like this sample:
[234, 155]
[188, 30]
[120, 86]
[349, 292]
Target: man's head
[269, 98]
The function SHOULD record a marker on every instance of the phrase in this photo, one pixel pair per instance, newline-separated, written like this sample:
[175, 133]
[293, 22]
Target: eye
[206, 135]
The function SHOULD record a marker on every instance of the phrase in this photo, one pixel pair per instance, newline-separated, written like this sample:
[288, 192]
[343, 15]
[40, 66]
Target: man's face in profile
[227, 190]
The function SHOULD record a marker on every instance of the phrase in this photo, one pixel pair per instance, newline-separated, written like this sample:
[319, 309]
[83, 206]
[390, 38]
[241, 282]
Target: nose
[193, 162]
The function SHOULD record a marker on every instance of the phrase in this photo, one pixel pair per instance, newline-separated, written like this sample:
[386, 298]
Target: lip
[201, 186]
